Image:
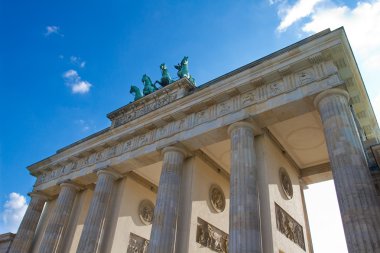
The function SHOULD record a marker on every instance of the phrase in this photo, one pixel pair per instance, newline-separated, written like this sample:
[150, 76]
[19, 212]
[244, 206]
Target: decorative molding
[137, 244]
[286, 183]
[151, 102]
[146, 211]
[289, 227]
[212, 112]
[217, 198]
[211, 237]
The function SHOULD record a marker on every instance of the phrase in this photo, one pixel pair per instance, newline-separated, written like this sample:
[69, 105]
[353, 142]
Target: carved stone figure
[217, 198]
[289, 227]
[165, 78]
[146, 211]
[211, 237]
[136, 91]
[137, 244]
[149, 87]
[183, 69]
[286, 183]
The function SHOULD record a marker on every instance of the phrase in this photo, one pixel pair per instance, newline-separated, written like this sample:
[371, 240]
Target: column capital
[183, 151]
[40, 195]
[329, 92]
[244, 124]
[115, 175]
[71, 184]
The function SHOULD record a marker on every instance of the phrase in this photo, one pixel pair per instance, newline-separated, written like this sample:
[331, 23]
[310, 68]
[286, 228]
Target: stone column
[59, 218]
[26, 231]
[94, 223]
[359, 207]
[162, 238]
[245, 233]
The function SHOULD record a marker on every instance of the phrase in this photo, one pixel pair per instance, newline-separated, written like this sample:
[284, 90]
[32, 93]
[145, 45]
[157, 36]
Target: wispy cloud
[83, 125]
[75, 82]
[13, 212]
[361, 24]
[77, 61]
[290, 14]
[52, 29]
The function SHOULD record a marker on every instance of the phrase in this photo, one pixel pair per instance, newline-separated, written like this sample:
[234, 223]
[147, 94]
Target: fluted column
[59, 218]
[94, 223]
[162, 238]
[359, 207]
[245, 234]
[26, 231]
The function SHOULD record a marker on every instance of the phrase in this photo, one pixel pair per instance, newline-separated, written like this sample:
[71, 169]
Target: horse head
[144, 78]
[185, 60]
[163, 67]
[133, 89]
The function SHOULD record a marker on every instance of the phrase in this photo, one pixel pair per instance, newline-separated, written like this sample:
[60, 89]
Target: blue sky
[65, 65]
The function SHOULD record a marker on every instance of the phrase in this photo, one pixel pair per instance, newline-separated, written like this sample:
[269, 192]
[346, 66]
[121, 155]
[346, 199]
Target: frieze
[151, 102]
[289, 227]
[238, 102]
[143, 109]
[137, 244]
[211, 237]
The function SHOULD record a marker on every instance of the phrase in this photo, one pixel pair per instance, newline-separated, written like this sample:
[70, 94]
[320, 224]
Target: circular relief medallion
[146, 211]
[217, 199]
[286, 183]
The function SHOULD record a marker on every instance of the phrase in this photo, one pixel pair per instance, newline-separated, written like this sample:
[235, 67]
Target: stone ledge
[151, 102]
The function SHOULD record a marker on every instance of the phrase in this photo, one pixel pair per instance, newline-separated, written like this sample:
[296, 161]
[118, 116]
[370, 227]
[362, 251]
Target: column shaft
[93, 226]
[26, 231]
[359, 207]
[162, 238]
[59, 219]
[245, 234]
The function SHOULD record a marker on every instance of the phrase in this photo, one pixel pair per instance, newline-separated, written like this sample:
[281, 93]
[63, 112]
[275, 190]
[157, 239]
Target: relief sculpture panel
[137, 244]
[211, 237]
[289, 227]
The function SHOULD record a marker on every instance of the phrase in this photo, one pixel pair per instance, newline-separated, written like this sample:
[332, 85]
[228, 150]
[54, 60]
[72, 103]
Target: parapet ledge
[151, 102]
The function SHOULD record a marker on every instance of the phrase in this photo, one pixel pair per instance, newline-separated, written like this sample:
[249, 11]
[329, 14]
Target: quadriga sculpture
[165, 78]
[149, 87]
[136, 92]
[183, 69]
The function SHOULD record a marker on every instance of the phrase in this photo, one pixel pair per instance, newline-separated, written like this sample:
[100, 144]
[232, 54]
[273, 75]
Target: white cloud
[75, 82]
[77, 61]
[13, 212]
[52, 29]
[361, 24]
[71, 74]
[291, 14]
[81, 87]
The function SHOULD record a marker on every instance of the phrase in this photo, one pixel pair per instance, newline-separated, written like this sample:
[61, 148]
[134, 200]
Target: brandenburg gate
[218, 167]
